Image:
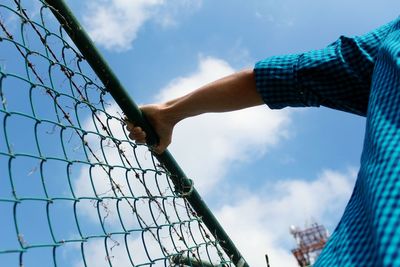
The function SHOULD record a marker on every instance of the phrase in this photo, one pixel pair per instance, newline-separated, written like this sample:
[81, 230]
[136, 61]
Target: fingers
[161, 123]
[136, 133]
[139, 136]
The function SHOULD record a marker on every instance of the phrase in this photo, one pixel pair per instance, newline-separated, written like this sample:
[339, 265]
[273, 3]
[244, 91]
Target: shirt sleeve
[338, 76]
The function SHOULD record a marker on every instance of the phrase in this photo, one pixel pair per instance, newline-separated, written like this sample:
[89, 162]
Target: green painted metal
[186, 261]
[131, 110]
[45, 69]
[100, 66]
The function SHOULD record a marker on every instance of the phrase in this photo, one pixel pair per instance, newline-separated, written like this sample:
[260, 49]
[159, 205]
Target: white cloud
[96, 255]
[117, 215]
[142, 248]
[207, 145]
[258, 222]
[166, 15]
[115, 24]
[96, 178]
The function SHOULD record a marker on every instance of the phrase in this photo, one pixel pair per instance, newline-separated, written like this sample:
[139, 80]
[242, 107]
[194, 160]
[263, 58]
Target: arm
[234, 92]
[337, 76]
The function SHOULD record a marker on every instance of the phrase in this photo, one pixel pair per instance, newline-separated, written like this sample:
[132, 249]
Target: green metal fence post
[131, 110]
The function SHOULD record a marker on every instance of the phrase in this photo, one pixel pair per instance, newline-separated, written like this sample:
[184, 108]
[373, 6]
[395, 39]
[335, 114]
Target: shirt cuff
[276, 81]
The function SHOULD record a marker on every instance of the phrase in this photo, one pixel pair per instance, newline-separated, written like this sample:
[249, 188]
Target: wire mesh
[74, 190]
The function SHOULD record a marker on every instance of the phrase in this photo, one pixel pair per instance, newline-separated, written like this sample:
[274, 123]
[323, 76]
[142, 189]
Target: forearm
[234, 92]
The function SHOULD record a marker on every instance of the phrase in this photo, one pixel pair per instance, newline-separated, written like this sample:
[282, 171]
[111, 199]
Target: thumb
[162, 145]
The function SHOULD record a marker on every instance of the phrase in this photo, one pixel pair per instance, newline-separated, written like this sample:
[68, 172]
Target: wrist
[170, 113]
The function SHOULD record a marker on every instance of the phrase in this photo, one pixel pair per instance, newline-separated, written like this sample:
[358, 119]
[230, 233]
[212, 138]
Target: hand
[157, 116]
[233, 92]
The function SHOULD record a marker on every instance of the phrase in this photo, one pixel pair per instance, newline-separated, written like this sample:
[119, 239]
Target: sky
[259, 170]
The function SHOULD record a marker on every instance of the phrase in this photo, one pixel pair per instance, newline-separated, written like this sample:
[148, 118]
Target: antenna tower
[310, 242]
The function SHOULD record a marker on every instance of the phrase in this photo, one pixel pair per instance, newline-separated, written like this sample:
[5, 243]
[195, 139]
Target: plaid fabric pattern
[360, 75]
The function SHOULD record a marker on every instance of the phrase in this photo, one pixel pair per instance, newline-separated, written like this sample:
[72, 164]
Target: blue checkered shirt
[360, 75]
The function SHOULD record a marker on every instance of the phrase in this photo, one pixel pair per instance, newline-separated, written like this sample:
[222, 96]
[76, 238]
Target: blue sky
[259, 170]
